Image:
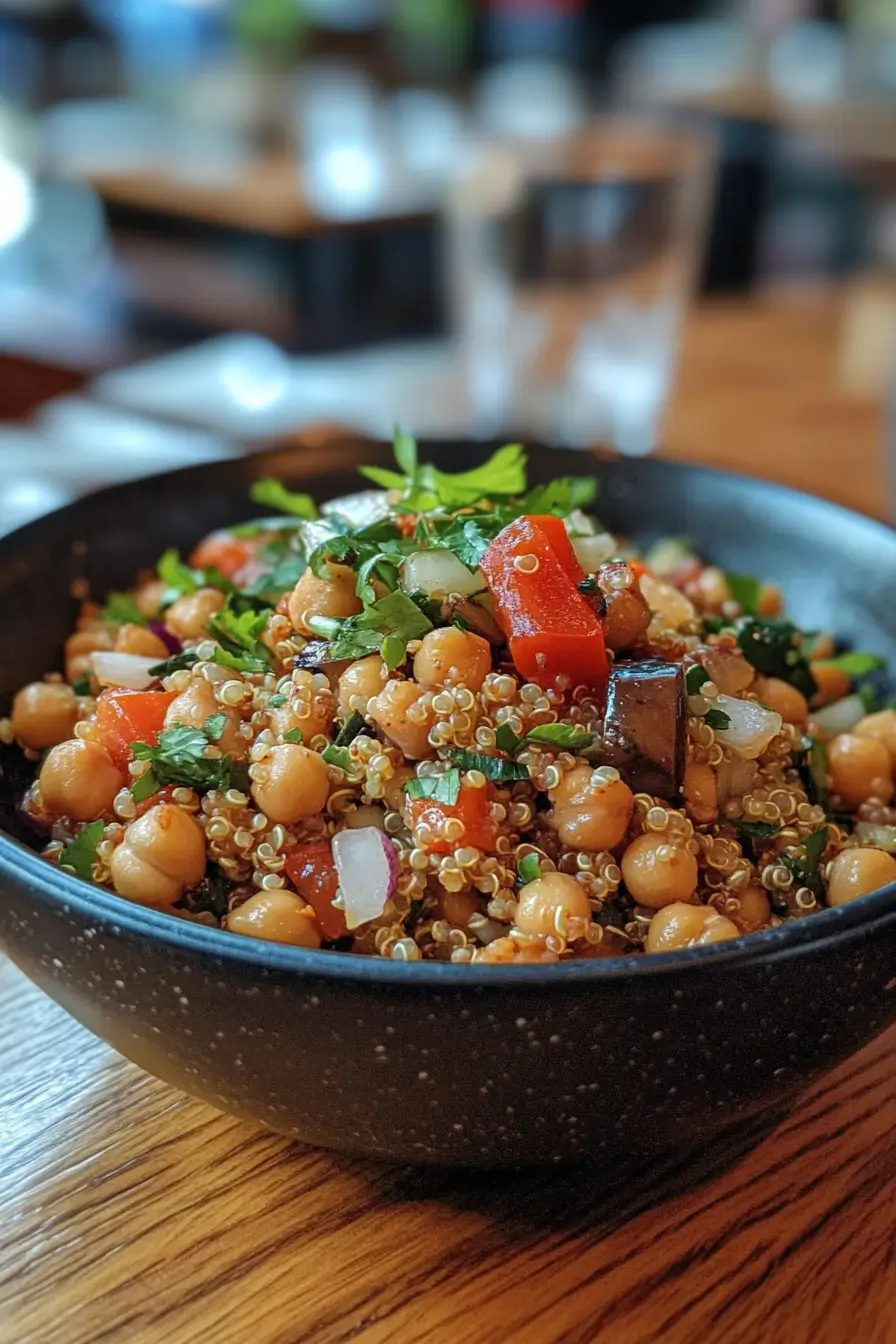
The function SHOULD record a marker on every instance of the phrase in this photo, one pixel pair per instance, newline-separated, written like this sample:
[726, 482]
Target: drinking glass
[570, 265]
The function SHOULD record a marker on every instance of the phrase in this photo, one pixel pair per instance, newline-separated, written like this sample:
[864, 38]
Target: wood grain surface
[131, 1213]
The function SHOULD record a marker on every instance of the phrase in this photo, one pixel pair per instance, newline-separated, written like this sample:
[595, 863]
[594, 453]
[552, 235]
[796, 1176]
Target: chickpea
[504, 952]
[189, 615]
[44, 713]
[149, 597]
[859, 769]
[316, 718]
[680, 925]
[857, 872]
[627, 618]
[591, 813]
[453, 657]
[670, 608]
[458, 907]
[277, 916]
[880, 727]
[710, 588]
[755, 909]
[770, 602]
[783, 698]
[335, 597]
[137, 639]
[833, 684]
[360, 682]
[657, 873]
[389, 711]
[701, 792]
[162, 853]
[79, 779]
[546, 905]
[79, 647]
[197, 703]
[294, 786]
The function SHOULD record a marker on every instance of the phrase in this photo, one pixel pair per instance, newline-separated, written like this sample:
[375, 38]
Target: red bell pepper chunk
[311, 870]
[125, 717]
[472, 808]
[552, 631]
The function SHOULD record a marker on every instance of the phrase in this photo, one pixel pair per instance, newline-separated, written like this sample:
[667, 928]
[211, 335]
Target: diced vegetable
[437, 573]
[750, 726]
[552, 630]
[472, 808]
[126, 717]
[367, 868]
[311, 870]
[123, 669]
[644, 728]
[224, 552]
[840, 717]
[592, 552]
[672, 607]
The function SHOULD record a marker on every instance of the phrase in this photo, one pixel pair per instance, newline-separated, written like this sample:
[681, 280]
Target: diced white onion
[751, 726]
[840, 717]
[592, 552]
[437, 573]
[359, 509]
[367, 869]
[127, 670]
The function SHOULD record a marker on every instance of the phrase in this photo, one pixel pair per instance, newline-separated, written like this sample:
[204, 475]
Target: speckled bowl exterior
[445, 1064]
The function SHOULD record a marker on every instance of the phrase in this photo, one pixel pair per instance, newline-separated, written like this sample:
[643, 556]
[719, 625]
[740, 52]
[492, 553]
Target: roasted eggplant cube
[644, 729]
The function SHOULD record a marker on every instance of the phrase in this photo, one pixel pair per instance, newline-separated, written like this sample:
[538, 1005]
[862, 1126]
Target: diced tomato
[311, 870]
[552, 630]
[557, 537]
[126, 717]
[163, 795]
[472, 808]
[224, 552]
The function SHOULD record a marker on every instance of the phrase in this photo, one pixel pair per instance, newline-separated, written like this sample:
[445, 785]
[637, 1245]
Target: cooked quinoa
[455, 719]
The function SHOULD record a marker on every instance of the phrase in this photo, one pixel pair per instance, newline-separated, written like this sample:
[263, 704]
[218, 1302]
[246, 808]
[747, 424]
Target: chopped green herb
[238, 637]
[393, 651]
[178, 757]
[696, 677]
[180, 579]
[562, 735]
[470, 537]
[440, 788]
[717, 719]
[287, 567]
[589, 586]
[812, 764]
[293, 735]
[79, 854]
[423, 487]
[338, 756]
[121, 609]
[273, 494]
[855, 665]
[745, 590]
[81, 685]
[775, 649]
[756, 830]
[214, 726]
[277, 701]
[395, 614]
[176, 663]
[805, 867]
[506, 739]
[211, 895]
[528, 869]
[144, 786]
[352, 728]
[561, 496]
[499, 769]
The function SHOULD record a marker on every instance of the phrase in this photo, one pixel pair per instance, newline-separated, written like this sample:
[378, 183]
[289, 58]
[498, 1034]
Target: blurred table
[133, 1213]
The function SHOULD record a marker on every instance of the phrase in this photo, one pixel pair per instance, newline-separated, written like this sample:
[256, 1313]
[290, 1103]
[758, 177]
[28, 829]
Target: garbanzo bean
[197, 703]
[860, 769]
[93, 638]
[657, 873]
[137, 639]
[308, 718]
[458, 907]
[79, 779]
[335, 597]
[833, 684]
[627, 618]
[783, 698]
[680, 925]
[277, 916]
[389, 711]
[546, 905]
[360, 682]
[162, 853]
[452, 657]
[857, 872]
[701, 792]
[755, 909]
[881, 727]
[590, 812]
[190, 614]
[149, 597]
[294, 785]
[43, 714]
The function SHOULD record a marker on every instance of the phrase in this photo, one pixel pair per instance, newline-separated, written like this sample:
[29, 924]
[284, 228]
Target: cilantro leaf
[423, 486]
[353, 727]
[338, 756]
[565, 736]
[181, 579]
[273, 494]
[214, 726]
[855, 665]
[717, 719]
[238, 637]
[81, 685]
[695, 678]
[393, 651]
[79, 854]
[443, 788]
[178, 757]
[405, 448]
[756, 830]
[121, 609]
[144, 786]
[394, 615]
[293, 735]
[175, 663]
[774, 648]
[805, 868]
[561, 496]
[812, 764]
[745, 590]
[287, 567]
[499, 769]
[528, 869]
[506, 739]
[276, 701]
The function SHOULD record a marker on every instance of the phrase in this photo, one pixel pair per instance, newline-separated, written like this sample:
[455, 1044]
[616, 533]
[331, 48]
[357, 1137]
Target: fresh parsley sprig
[79, 855]
[178, 757]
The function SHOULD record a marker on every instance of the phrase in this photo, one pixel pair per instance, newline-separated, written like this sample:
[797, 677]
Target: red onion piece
[367, 867]
[171, 642]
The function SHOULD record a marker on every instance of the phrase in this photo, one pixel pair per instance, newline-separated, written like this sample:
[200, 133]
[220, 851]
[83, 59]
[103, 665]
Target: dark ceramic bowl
[440, 1063]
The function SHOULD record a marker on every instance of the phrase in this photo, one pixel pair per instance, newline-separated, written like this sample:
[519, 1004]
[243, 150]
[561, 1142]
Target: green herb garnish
[775, 649]
[273, 494]
[443, 788]
[352, 728]
[589, 586]
[121, 609]
[528, 869]
[423, 486]
[854, 665]
[756, 830]
[338, 756]
[717, 719]
[79, 854]
[211, 895]
[506, 739]
[561, 496]
[238, 636]
[805, 869]
[396, 614]
[499, 769]
[293, 735]
[812, 765]
[176, 663]
[564, 736]
[745, 590]
[277, 701]
[178, 757]
[695, 679]
[81, 685]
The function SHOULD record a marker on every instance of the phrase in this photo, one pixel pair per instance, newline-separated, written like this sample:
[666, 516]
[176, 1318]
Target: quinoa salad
[452, 718]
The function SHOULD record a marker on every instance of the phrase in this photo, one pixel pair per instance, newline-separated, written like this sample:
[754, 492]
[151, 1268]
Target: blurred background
[230, 223]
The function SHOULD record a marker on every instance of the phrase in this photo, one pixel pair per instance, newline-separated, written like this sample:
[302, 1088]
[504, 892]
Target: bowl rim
[816, 931]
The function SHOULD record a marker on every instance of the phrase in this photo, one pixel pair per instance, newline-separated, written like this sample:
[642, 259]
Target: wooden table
[131, 1213]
